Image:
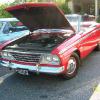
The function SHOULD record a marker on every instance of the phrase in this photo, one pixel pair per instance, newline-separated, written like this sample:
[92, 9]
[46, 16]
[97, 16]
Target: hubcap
[71, 66]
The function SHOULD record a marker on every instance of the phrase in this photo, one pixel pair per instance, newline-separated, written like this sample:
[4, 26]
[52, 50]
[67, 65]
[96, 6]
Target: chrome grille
[34, 58]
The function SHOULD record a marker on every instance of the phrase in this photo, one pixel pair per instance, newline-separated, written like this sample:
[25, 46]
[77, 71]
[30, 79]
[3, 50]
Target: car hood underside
[40, 16]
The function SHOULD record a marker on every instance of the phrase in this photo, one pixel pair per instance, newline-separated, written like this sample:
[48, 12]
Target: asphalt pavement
[47, 87]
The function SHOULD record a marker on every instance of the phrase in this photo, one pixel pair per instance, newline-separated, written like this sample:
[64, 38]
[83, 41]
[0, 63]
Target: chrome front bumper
[41, 69]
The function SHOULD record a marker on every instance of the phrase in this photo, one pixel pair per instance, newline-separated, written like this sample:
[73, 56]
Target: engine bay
[40, 41]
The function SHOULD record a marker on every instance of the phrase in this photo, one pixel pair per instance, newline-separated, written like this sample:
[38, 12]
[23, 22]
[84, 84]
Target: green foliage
[65, 8]
[3, 13]
[98, 19]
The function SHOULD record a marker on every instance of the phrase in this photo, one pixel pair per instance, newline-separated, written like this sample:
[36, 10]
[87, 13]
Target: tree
[3, 13]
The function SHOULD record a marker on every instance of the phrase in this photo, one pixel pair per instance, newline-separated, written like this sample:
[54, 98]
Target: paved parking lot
[46, 87]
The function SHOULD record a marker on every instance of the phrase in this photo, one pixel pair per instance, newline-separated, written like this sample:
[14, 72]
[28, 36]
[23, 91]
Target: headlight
[7, 55]
[55, 58]
[50, 59]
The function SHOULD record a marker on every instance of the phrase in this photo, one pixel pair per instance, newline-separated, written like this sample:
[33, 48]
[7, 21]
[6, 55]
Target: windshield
[87, 18]
[75, 21]
[72, 18]
[84, 18]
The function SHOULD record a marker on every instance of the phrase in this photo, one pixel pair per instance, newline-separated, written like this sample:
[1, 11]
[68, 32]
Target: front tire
[72, 67]
[98, 47]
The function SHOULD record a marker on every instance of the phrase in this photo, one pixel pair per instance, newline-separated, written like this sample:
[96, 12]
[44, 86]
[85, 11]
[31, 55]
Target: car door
[97, 34]
[88, 41]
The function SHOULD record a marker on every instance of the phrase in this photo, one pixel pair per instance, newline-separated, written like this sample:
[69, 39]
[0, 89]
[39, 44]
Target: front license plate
[23, 72]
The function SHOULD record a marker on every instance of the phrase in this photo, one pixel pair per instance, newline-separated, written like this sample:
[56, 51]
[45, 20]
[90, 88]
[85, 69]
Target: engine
[39, 42]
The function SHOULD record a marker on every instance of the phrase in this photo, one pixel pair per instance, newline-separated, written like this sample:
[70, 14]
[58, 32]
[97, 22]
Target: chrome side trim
[76, 42]
[41, 69]
[70, 46]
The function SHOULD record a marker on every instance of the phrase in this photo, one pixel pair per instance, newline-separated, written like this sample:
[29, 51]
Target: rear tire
[73, 65]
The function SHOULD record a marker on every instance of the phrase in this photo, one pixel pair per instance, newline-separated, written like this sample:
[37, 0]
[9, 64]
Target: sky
[6, 1]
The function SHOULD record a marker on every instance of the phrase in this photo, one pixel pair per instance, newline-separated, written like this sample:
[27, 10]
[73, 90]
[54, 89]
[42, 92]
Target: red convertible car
[52, 46]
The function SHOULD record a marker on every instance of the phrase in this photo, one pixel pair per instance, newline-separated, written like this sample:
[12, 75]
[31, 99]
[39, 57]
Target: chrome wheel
[72, 64]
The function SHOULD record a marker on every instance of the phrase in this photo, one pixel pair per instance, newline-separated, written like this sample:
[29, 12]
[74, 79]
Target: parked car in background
[8, 25]
[53, 46]
[10, 28]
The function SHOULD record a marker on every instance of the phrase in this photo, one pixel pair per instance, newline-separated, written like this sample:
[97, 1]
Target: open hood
[40, 16]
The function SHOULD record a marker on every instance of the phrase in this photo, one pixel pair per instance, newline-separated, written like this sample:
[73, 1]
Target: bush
[98, 19]
[3, 13]
[65, 8]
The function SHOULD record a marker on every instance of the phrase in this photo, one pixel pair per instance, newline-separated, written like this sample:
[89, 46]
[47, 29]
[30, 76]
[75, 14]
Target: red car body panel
[82, 42]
